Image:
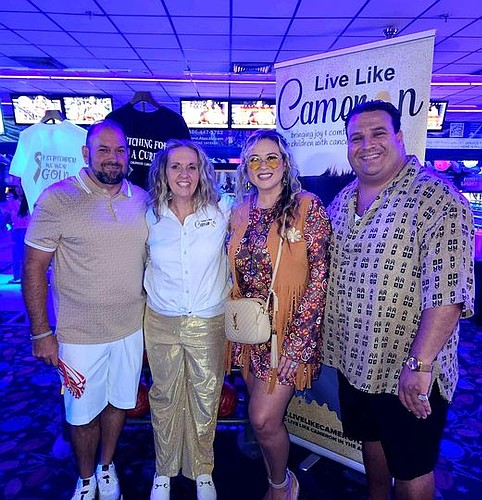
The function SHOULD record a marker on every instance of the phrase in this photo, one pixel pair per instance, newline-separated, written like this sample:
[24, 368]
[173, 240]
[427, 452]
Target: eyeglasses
[272, 161]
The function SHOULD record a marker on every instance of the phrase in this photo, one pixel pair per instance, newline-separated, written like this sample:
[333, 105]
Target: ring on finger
[422, 397]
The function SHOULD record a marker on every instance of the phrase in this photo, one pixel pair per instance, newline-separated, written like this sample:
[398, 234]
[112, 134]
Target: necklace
[363, 205]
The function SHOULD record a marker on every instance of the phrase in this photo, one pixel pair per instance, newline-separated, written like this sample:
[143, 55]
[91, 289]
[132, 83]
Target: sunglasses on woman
[272, 161]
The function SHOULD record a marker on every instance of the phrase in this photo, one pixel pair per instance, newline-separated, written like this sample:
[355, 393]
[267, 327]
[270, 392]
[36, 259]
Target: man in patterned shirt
[401, 277]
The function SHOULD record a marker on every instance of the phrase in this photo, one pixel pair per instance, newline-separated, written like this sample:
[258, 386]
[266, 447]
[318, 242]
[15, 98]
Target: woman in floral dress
[268, 190]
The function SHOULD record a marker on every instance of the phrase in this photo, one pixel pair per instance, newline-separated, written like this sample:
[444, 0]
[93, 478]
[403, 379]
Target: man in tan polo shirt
[92, 227]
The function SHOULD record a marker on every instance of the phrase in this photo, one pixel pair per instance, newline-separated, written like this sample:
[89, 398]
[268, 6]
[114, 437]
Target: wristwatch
[415, 365]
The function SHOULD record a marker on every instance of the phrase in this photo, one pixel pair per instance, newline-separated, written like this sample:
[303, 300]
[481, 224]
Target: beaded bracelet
[41, 335]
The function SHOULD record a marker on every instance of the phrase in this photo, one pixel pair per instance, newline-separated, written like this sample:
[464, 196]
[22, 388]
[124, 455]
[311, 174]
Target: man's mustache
[112, 164]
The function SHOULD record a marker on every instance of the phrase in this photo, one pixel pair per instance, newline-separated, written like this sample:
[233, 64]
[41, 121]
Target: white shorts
[112, 372]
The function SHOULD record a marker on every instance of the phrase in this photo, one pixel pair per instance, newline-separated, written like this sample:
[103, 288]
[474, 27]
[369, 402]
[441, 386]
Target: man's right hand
[47, 349]
[35, 290]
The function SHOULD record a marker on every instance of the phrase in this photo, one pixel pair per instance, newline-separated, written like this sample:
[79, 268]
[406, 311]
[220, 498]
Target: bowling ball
[142, 405]
[227, 401]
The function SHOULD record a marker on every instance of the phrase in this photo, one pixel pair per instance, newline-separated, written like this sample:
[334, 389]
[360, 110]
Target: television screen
[436, 115]
[2, 127]
[87, 109]
[253, 114]
[205, 113]
[30, 109]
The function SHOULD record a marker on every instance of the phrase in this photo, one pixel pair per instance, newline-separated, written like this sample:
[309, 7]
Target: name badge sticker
[205, 223]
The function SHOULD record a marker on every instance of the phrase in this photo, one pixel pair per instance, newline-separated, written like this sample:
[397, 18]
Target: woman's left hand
[286, 368]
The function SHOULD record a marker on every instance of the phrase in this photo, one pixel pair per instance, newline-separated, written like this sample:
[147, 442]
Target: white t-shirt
[187, 269]
[47, 153]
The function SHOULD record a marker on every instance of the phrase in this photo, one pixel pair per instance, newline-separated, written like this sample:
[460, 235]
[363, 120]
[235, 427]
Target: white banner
[314, 95]
[314, 422]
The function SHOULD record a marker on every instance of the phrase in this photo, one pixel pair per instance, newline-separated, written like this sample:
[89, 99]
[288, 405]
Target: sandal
[291, 481]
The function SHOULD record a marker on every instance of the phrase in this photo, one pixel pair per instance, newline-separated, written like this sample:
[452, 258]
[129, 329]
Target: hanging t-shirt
[147, 133]
[47, 153]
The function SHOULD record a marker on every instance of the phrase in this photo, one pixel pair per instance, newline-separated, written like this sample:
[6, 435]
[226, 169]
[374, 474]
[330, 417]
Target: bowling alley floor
[36, 461]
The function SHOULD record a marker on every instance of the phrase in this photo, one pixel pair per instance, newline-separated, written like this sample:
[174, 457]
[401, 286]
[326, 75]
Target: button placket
[185, 268]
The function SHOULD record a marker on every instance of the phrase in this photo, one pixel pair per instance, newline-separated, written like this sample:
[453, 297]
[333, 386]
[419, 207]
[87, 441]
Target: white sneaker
[107, 482]
[205, 487]
[161, 488]
[85, 489]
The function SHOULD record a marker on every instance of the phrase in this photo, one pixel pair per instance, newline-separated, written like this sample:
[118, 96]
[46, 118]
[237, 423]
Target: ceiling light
[452, 110]
[390, 32]
[456, 84]
[213, 78]
[136, 79]
[251, 68]
[38, 62]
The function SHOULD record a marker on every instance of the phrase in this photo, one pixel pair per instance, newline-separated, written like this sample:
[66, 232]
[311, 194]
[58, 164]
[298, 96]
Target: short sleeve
[447, 251]
[44, 230]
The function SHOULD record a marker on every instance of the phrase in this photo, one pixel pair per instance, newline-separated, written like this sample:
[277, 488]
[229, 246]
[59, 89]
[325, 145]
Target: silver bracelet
[41, 335]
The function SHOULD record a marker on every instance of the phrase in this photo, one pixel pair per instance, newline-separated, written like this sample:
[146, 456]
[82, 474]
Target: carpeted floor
[36, 460]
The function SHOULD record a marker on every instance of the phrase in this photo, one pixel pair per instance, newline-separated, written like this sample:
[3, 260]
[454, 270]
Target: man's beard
[110, 177]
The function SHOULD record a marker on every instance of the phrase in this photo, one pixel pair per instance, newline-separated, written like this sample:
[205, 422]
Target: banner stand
[319, 451]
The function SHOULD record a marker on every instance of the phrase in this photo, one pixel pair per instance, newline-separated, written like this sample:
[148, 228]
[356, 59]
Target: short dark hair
[103, 124]
[376, 105]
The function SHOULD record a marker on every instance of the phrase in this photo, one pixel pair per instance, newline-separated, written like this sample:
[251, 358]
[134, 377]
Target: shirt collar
[407, 173]
[401, 182]
[89, 186]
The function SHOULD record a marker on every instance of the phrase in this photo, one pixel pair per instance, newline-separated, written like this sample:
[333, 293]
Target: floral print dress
[253, 268]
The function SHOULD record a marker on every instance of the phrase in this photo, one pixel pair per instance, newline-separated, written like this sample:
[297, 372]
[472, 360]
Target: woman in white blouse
[187, 281]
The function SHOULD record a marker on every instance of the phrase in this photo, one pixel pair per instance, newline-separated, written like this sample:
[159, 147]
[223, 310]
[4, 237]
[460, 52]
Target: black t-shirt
[147, 133]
